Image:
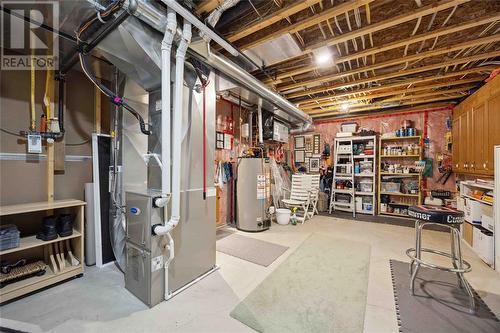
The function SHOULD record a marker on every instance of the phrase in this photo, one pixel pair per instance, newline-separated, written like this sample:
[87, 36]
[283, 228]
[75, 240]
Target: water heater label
[261, 187]
[135, 211]
[156, 263]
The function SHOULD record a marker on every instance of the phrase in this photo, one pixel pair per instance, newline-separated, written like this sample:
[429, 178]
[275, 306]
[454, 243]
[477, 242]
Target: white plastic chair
[314, 193]
[302, 194]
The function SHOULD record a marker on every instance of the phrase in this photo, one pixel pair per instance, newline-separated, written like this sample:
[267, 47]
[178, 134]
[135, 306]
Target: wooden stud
[50, 172]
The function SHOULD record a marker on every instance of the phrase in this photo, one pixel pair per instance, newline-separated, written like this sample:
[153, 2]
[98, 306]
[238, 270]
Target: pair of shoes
[52, 225]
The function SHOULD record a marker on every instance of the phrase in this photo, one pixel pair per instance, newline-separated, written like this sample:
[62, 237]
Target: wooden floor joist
[309, 22]
[421, 95]
[207, 6]
[399, 73]
[403, 18]
[272, 18]
[288, 72]
[381, 107]
[415, 80]
[311, 107]
[397, 61]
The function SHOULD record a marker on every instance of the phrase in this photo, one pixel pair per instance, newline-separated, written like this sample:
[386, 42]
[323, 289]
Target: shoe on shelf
[65, 225]
[49, 229]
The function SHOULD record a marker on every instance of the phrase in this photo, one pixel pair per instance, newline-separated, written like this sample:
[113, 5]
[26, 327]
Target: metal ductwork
[146, 43]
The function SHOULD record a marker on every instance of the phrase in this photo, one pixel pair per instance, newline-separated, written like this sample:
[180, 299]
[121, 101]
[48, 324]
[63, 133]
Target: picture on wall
[299, 142]
[314, 164]
[316, 144]
[299, 156]
[219, 140]
[309, 143]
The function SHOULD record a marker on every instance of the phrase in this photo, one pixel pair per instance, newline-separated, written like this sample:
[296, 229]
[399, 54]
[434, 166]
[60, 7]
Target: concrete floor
[97, 302]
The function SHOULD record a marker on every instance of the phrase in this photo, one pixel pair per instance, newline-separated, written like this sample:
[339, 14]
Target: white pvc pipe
[177, 132]
[166, 49]
[259, 121]
[166, 98]
[187, 15]
[177, 129]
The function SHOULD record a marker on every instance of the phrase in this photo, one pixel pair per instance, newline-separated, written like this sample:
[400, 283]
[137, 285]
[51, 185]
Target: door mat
[321, 287]
[438, 305]
[250, 249]
[223, 232]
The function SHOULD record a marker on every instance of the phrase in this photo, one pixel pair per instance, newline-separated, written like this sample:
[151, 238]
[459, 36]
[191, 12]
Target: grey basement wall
[25, 181]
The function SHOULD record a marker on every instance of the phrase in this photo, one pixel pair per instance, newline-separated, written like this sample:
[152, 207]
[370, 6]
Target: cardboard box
[467, 233]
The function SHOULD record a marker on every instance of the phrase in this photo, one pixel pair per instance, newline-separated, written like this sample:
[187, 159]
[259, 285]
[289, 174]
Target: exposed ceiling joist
[401, 60]
[396, 44]
[207, 6]
[396, 98]
[481, 56]
[389, 93]
[406, 82]
[309, 22]
[272, 18]
[415, 14]
[374, 108]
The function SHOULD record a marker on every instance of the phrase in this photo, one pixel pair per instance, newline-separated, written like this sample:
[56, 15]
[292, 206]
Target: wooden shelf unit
[416, 197]
[60, 265]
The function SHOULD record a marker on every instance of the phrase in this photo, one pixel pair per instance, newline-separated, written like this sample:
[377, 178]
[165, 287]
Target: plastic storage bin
[366, 186]
[9, 237]
[349, 127]
[390, 187]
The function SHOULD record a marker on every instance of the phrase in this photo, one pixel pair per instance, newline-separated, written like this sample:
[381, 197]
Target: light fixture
[323, 56]
[344, 107]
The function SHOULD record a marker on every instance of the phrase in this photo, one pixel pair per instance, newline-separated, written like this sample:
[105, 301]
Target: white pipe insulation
[215, 15]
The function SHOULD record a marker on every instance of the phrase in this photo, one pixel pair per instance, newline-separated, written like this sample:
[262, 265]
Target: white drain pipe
[259, 122]
[166, 101]
[177, 131]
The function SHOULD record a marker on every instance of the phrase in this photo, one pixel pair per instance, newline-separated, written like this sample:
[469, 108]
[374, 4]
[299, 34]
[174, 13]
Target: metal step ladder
[336, 205]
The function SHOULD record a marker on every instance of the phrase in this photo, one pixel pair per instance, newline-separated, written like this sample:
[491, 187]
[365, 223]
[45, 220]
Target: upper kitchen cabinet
[476, 130]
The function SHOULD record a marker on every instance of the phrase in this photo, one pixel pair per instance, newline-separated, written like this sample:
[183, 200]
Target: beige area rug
[321, 287]
[250, 249]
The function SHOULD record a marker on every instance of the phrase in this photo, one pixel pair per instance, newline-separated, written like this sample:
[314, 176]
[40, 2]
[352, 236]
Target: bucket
[283, 216]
